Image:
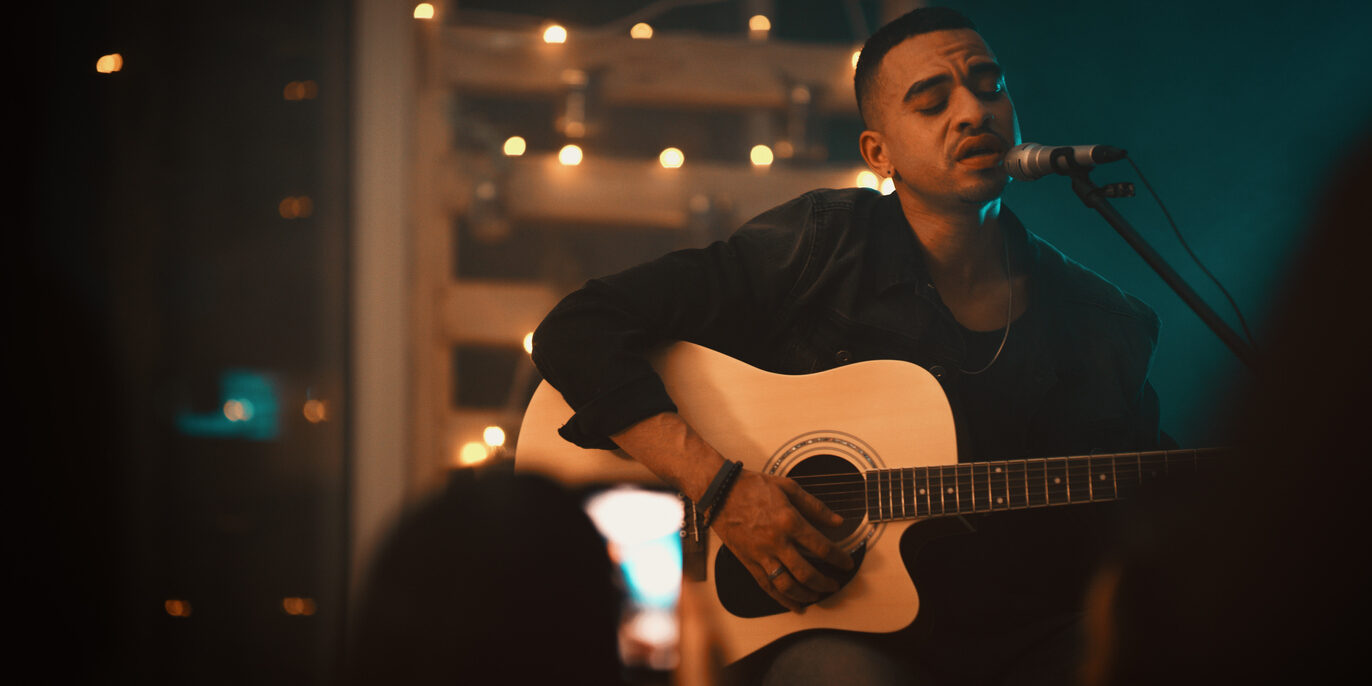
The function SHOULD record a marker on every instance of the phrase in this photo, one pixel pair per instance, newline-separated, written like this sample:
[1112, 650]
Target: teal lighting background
[1236, 112]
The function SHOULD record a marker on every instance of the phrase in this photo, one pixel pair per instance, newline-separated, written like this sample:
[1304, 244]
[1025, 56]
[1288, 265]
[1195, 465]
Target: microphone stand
[1095, 198]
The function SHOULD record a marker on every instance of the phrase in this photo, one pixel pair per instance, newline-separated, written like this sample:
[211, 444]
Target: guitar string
[1057, 463]
[863, 497]
[861, 485]
[1144, 457]
[1053, 462]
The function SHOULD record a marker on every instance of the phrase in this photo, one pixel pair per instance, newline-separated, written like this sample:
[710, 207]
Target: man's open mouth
[980, 147]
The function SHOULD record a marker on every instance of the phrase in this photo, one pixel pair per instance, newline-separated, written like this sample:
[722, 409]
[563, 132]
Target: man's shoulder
[817, 202]
[819, 220]
[839, 198]
[1077, 285]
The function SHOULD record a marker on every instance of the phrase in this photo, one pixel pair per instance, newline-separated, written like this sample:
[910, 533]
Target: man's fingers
[819, 545]
[796, 591]
[769, 585]
[813, 508]
[806, 575]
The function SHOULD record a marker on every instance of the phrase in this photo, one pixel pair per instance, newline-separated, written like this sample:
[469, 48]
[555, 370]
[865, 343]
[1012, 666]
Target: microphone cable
[1242, 322]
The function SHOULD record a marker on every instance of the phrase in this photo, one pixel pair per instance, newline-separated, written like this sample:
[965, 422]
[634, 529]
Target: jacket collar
[898, 259]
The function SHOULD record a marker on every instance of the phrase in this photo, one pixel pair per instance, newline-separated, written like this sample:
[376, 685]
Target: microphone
[1029, 161]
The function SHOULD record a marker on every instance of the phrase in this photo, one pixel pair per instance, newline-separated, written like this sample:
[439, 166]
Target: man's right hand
[768, 521]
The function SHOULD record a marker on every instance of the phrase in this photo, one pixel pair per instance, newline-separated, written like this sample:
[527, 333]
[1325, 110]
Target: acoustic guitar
[873, 440]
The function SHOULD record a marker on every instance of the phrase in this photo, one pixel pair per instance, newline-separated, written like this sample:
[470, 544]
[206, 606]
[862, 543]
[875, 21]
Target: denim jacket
[835, 277]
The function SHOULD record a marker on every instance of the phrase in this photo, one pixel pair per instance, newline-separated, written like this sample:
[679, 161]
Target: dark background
[148, 256]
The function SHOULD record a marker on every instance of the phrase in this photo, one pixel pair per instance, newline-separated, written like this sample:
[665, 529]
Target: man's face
[943, 120]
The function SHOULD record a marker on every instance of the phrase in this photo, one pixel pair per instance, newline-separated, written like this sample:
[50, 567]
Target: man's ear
[873, 147]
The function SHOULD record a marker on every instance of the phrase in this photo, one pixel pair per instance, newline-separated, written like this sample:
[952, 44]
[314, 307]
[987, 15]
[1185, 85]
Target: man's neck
[964, 248]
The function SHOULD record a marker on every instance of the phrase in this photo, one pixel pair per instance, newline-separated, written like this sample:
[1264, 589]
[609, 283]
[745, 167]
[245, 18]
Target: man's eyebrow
[986, 69]
[923, 85]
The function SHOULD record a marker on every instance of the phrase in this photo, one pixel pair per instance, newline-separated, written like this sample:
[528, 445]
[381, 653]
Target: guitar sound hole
[840, 486]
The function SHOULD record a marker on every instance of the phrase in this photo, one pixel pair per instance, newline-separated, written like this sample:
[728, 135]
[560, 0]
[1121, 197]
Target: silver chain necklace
[1009, 311]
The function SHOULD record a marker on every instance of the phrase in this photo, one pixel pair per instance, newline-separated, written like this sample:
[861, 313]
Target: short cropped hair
[913, 23]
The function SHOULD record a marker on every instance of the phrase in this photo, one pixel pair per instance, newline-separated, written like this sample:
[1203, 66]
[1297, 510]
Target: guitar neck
[977, 487]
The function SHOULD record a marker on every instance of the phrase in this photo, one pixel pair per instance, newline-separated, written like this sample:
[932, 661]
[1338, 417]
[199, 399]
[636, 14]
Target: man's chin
[987, 190]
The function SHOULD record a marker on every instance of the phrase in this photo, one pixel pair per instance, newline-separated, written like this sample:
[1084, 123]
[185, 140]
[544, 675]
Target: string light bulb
[761, 156]
[473, 453]
[494, 436]
[866, 179]
[315, 411]
[515, 146]
[108, 64]
[529, 343]
[672, 158]
[569, 155]
[641, 31]
[888, 186]
[856, 55]
[555, 33]
[424, 10]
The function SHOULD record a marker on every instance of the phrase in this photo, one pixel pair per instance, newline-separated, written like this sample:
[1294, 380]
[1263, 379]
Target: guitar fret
[928, 494]
[1015, 484]
[963, 484]
[868, 493]
[911, 475]
[1102, 477]
[978, 471]
[948, 482]
[1090, 483]
[1058, 490]
[904, 510]
[884, 497]
[998, 475]
[1078, 479]
[890, 498]
[936, 487]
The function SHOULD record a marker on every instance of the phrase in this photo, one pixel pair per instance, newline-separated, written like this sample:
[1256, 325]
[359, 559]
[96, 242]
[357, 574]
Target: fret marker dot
[921, 491]
[1057, 479]
[950, 490]
[1102, 477]
[1000, 500]
[997, 470]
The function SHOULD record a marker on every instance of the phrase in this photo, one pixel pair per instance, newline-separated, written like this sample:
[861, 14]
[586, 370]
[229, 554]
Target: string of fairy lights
[571, 154]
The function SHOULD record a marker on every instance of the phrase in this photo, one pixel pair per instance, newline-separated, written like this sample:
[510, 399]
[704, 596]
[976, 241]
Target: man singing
[1038, 356]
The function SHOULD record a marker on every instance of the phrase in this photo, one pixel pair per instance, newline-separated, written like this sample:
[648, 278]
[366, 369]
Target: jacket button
[937, 370]
[843, 357]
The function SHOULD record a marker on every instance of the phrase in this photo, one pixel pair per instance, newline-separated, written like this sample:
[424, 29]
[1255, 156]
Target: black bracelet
[713, 490]
[723, 494]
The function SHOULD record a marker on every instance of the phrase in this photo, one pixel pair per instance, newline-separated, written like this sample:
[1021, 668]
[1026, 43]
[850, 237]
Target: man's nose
[970, 111]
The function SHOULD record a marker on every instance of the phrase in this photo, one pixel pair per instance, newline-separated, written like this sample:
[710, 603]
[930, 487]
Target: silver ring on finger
[771, 576]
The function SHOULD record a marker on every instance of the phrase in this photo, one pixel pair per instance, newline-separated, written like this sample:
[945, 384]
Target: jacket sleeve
[592, 346]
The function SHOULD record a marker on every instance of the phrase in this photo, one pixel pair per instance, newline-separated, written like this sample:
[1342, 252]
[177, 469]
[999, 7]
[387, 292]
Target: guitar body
[850, 420]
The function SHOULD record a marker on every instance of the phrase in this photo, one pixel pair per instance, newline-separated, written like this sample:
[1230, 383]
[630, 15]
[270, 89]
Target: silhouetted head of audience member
[500, 579]
[1257, 571]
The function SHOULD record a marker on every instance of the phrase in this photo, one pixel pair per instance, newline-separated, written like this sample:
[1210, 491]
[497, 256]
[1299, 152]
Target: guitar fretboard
[1019, 484]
